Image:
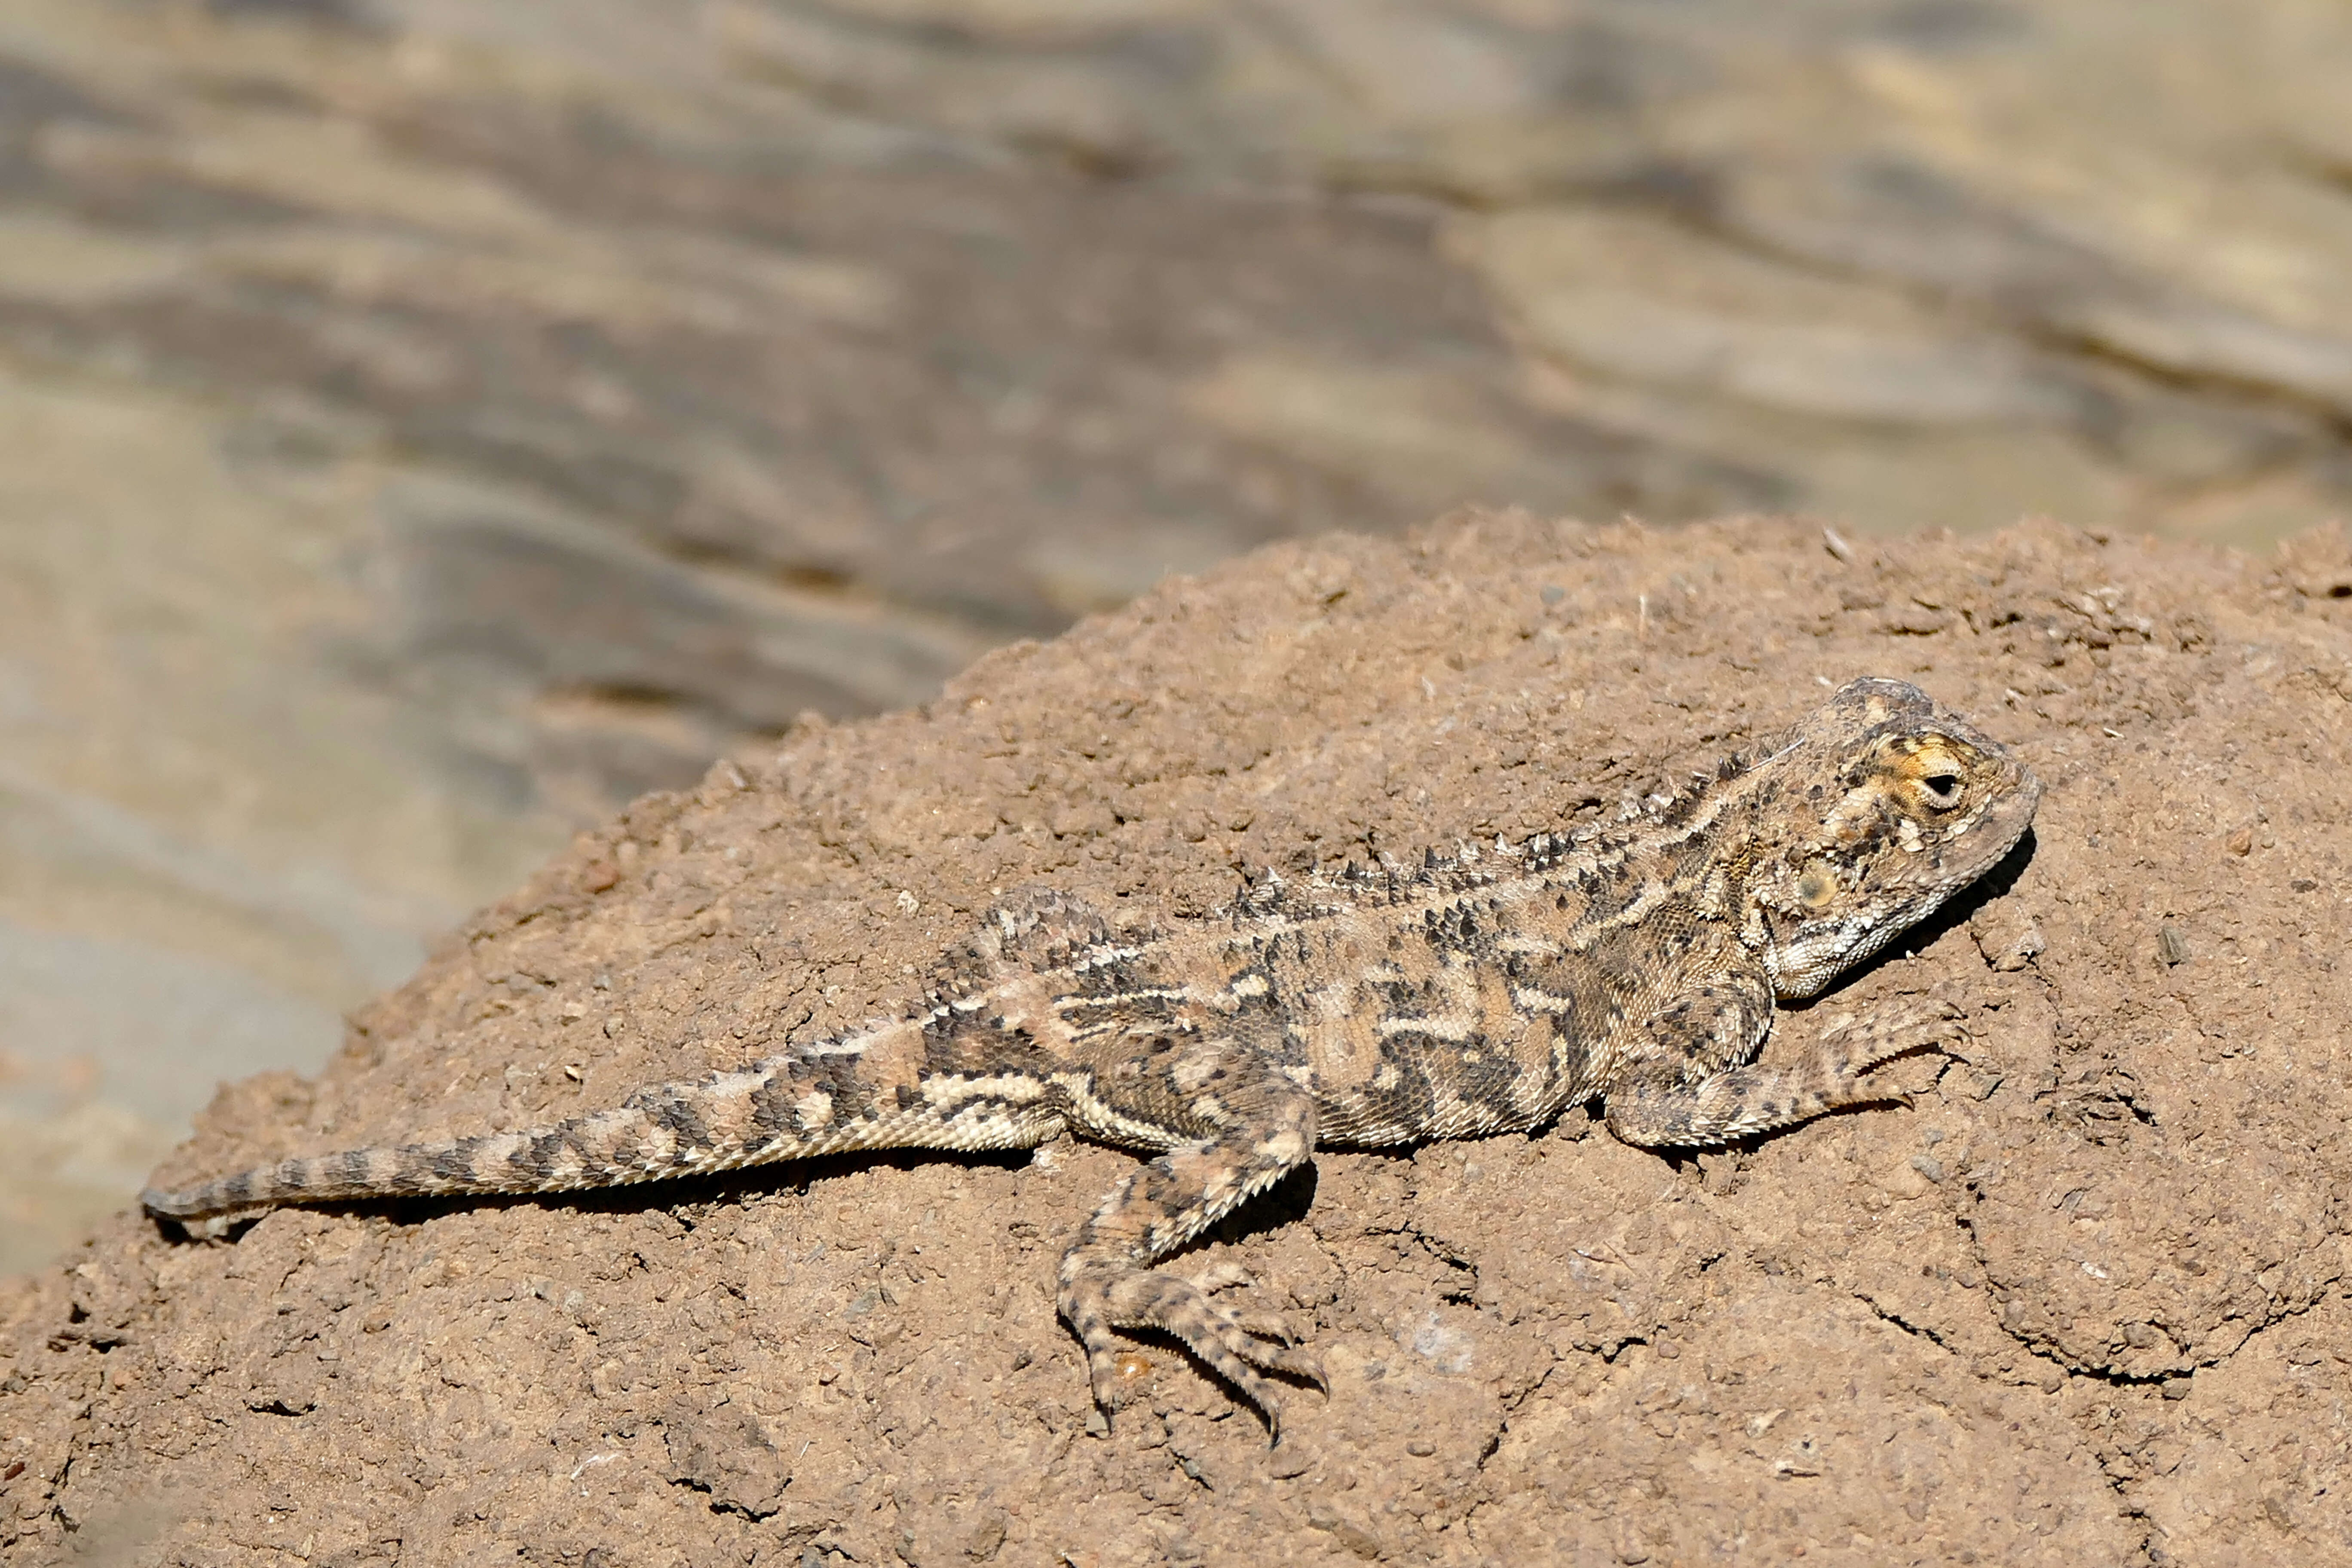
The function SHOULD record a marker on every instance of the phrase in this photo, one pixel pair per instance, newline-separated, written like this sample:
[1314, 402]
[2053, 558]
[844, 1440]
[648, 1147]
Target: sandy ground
[2085, 1302]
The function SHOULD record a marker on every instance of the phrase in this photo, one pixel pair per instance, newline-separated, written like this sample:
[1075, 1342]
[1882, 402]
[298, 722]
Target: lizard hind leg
[1242, 1125]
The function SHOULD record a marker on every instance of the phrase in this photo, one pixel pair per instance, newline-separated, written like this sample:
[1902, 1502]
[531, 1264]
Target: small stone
[1288, 1461]
[1978, 1083]
[2172, 944]
[987, 1539]
[2030, 945]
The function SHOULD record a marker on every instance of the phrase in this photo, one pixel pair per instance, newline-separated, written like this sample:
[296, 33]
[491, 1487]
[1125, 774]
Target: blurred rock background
[425, 424]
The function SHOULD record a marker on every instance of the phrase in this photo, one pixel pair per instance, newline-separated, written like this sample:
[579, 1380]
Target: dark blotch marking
[771, 1105]
[1410, 1103]
[675, 1112]
[1488, 1080]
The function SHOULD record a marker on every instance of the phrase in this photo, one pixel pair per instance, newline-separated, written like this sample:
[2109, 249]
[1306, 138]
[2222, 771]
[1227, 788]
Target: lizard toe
[1232, 1345]
[1265, 1325]
[1221, 1277]
[1103, 1379]
[1292, 1361]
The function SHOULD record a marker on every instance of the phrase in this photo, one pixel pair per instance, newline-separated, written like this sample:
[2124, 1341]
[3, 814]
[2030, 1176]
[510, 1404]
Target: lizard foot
[1098, 1301]
[1850, 1047]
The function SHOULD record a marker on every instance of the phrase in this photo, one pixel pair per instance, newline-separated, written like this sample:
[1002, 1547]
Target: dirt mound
[2085, 1302]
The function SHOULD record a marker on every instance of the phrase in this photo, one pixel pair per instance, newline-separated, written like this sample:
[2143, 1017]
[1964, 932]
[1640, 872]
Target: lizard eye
[1943, 790]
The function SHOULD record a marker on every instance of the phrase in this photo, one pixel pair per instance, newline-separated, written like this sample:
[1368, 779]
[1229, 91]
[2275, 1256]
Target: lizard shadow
[1956, 911]
[689, 1199]
[694, 1200]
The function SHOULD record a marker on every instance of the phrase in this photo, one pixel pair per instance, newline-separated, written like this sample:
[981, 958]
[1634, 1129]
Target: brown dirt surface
[2084, 1301]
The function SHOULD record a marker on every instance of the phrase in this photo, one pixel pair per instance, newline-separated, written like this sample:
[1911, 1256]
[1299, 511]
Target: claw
[1102, 1372]
[1297, 1363]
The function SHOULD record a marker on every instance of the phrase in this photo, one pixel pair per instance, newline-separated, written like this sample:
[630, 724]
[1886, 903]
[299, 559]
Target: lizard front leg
[1236, 1125]
[1680, 1090]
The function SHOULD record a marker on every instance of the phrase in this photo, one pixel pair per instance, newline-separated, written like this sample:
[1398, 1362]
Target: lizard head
[1872, 812]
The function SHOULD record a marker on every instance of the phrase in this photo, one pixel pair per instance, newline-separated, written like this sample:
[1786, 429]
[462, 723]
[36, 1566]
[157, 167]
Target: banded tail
[871, 1090]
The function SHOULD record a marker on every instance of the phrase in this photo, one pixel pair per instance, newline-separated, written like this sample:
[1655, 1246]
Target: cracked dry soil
[2084, 1301]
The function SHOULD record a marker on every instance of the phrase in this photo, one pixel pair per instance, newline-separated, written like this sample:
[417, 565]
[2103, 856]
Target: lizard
[1635, 962]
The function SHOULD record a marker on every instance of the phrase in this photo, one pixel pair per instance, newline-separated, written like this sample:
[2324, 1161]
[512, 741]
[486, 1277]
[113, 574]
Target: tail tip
[177, 1209]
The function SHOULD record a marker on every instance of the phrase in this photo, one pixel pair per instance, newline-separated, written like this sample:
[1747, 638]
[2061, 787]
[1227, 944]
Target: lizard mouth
[2012, 813]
